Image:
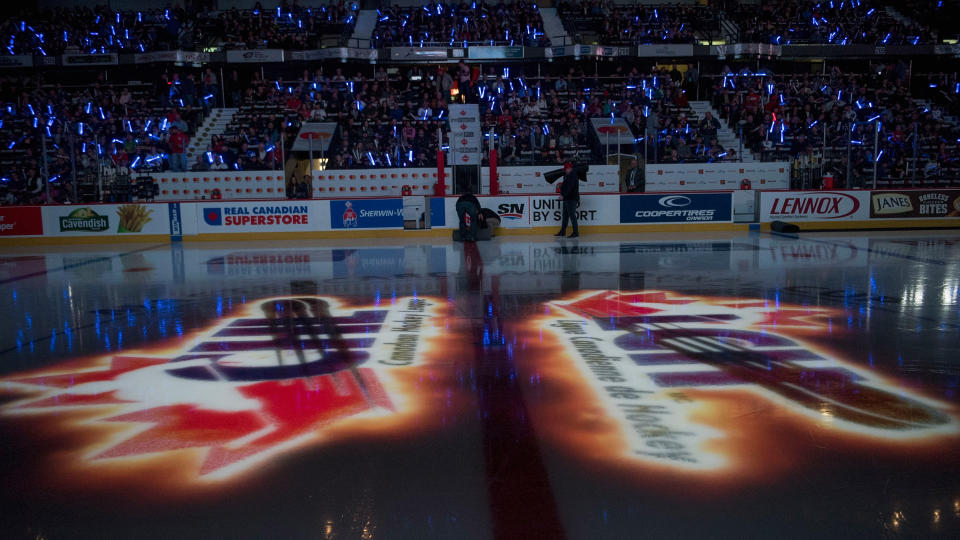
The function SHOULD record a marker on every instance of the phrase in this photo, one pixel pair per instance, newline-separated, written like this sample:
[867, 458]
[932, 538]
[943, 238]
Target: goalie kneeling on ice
[488, 223]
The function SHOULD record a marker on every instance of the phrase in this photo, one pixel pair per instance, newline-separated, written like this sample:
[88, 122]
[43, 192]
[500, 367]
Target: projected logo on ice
[702, 384]
[289, 373]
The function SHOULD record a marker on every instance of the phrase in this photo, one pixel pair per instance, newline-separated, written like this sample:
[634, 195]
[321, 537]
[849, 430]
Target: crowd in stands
[838, 22]
[50, 132]
[60, 30]
[830, 116]
[629, 24]
[290, 26]
[397, 120]
[111, 133]
[99, 130]
[53, 31]
[384, 120]
[515, 23]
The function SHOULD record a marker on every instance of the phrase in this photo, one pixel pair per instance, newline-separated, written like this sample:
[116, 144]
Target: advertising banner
[261, 216]
[814, 205]
[529, 179]
[693, 207]
[594, 210]
[493, 53]
[191, 57]
[20, 221]
[108, 59]
[366, 214]
[254, 56]
[942, 203]
[16, 61]
[672, 50]
[418, 54]
[106, 220]
[514, 211]
[717, 176]
[318, 54]
[176, 223]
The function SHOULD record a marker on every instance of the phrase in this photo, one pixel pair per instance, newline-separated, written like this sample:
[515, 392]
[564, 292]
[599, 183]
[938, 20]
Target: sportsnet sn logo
[276, 379]
[511, 211]
[655, 370]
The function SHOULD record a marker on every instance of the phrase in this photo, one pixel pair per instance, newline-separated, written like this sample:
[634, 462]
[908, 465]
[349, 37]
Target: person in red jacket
[178, 149]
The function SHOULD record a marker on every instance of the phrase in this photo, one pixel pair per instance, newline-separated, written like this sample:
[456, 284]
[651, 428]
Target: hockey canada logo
[281, 377]
[656, 363]
[349, 216]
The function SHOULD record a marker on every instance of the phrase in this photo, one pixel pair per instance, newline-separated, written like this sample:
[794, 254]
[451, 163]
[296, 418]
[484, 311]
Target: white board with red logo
[529, 179]
[717, 176]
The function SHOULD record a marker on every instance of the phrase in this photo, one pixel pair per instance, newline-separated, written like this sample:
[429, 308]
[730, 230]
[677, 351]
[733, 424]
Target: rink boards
[325, 218]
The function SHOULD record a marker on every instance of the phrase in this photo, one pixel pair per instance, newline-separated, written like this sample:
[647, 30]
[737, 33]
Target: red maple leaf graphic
[791, 317]
[289, 410]
[612, 303]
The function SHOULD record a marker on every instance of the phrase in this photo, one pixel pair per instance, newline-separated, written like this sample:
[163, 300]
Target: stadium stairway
[896, 15]
[214, 124]
[553, 27]
[366, 22]
[731, 32]
[725, 135]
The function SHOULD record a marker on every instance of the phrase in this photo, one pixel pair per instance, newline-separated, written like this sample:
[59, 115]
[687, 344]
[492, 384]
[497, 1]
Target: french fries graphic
[133, 217]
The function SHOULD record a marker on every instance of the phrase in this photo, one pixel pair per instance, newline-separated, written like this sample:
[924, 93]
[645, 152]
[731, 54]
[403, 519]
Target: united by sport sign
[685, 208]
[814, 205]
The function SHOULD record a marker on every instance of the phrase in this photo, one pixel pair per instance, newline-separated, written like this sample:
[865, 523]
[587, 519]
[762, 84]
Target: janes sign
[814, 205]
[282, 376]
[915, 204]
[651, 366]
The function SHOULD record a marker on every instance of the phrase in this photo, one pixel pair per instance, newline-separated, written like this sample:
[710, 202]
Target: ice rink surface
[615, 386]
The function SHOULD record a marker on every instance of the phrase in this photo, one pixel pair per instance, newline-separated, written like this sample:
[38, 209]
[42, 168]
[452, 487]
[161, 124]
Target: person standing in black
[570, 193]
[634, 180]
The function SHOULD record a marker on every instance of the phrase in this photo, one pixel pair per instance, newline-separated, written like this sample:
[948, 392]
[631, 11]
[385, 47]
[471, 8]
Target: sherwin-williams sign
[366, 214]
[20, 221]
[915, 204]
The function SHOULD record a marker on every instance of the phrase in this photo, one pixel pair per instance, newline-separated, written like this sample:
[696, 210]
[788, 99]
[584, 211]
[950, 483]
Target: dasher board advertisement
[262, 216]
[941, 203]
[814, 205]
[106, 219]
[20, 221]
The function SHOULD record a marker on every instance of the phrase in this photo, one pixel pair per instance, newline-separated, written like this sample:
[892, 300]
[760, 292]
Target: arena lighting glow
[285, 374]
[657, 380]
